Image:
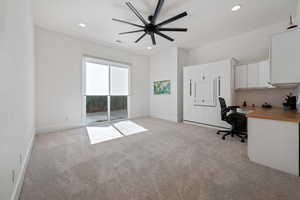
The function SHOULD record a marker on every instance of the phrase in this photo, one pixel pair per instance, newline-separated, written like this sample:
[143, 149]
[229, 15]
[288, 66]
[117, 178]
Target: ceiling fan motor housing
[150, 28]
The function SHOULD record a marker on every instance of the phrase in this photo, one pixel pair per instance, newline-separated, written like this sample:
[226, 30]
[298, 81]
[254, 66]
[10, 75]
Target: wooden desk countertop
[274, 113]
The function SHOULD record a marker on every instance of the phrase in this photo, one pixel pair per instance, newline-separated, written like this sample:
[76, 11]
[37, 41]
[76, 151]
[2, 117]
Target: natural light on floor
[116, 130]
[102, 134]
[129, 128]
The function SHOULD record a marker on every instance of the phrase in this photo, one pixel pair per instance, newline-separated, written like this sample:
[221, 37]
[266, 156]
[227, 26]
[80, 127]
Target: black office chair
[238, 121]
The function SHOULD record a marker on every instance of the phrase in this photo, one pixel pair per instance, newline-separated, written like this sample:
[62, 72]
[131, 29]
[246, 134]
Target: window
[106, 90]
[119, 81]
[97, 79]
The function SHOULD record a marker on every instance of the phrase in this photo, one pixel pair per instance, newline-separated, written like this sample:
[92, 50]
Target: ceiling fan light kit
[151, 27]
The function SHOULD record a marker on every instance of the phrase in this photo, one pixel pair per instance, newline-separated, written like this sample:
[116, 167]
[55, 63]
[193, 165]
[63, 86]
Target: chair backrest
[224, 109]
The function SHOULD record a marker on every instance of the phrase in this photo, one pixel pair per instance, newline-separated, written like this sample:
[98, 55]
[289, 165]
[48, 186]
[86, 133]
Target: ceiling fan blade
[173, 29]
[157, 11]
[140, 37]
[168, 21]
[131, 32]
[164, 36]
[153, 38]
[132, 8]
[125, 22]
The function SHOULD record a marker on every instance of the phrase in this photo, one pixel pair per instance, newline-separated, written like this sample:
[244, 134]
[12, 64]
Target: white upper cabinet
[241, 77]
[253, 75]
[285, 57]
[264, 74]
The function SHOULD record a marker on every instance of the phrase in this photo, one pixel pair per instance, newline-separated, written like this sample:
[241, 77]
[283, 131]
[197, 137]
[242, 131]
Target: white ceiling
[208, 20]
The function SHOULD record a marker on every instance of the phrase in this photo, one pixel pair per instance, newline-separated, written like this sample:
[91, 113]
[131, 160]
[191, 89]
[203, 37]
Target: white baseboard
[59, 127]
[69, 125]
[17, 190]
[165, 117]
[206, 125]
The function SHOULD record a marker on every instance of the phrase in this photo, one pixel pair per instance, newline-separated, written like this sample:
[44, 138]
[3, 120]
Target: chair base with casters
[242, 135]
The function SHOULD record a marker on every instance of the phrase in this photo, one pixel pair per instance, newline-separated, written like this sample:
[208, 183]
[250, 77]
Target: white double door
[203, 84]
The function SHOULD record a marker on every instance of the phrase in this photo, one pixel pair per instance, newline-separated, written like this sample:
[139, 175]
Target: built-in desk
[273, 138]
[273, 114]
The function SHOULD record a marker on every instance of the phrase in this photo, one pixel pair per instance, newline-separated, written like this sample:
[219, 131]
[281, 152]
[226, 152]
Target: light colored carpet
[168, 162]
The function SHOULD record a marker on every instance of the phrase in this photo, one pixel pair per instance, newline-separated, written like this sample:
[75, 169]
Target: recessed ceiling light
[236, 7]
[149, 48]
[82, 25]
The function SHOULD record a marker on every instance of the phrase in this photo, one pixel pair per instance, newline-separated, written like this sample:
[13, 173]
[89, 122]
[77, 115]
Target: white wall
[168, 64]
[249, 47]
[298, 13]
[164, 66]
[16, 92]
[58, 79]
[259, 97]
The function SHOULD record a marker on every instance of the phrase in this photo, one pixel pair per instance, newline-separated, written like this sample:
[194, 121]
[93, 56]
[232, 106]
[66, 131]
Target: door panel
[217, 76]
[96, 79]
[118, 107]
[96, 108]
[264, 74]
[205, 90]
[118, 81]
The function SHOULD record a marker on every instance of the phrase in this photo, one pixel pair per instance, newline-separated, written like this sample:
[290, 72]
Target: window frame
[110, 64]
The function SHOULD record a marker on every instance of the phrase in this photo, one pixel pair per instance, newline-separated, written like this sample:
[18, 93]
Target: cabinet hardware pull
[219, 85]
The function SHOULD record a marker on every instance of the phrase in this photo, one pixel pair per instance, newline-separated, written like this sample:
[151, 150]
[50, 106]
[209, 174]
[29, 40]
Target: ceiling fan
[150, 27]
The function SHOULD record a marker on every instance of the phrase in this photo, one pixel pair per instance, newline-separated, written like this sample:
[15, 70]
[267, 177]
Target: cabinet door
[253, 75]
[285, 57]
[189, 77]
[241, 78]
[264, 74]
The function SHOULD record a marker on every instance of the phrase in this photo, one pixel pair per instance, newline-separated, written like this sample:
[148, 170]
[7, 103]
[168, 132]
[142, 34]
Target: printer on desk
[267, 105]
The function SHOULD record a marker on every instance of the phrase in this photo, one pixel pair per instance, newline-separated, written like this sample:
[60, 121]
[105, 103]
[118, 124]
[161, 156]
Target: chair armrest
[233, 107]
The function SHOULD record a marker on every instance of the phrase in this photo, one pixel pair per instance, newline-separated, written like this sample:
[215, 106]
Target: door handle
[191, 88]
[219, 85]
[195, 86]
[195, 92]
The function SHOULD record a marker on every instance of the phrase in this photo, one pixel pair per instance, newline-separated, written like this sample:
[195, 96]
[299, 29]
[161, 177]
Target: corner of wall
[298, 12]
[182, 60]
[17, 190]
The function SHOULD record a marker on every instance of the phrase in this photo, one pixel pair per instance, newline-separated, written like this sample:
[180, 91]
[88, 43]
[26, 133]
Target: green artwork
[162, 87]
